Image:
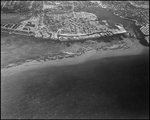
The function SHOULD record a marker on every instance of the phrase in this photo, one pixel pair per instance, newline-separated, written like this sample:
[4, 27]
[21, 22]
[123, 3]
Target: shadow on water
[114, 87]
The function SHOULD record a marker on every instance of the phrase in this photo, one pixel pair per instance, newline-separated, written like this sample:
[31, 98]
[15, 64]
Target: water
[104, 14]
[116, 87]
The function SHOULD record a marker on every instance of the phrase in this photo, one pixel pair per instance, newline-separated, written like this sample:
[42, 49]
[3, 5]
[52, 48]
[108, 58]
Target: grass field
[12, 18]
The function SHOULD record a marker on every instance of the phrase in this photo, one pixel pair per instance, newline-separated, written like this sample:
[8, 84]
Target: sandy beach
[90, 55]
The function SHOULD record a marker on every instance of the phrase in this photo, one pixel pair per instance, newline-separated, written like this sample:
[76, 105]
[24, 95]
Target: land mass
[37, 37]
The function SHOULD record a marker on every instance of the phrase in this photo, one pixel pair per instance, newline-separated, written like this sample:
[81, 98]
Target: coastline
[90, 55]
[35, 64]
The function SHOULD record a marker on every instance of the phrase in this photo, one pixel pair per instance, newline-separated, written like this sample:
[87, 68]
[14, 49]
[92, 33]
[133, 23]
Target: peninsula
[63, 25]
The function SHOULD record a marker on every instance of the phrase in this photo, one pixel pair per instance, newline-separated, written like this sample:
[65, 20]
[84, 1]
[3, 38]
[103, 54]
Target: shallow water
[116, 87]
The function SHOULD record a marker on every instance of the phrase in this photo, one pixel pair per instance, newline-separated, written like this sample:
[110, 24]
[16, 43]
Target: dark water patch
[115, 87]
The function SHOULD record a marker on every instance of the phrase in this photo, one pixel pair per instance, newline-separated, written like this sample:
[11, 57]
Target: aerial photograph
[74, 59]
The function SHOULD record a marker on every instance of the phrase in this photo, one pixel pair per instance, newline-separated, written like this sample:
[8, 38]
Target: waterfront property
[70, 30]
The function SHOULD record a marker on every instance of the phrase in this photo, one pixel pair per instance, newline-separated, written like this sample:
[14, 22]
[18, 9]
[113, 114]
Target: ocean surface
[115, 87]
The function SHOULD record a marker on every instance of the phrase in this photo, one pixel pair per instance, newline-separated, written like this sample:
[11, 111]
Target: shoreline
[90, 55]
[35, 64]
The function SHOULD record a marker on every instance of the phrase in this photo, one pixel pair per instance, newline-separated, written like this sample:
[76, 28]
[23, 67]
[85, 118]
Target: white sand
[134, 50]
